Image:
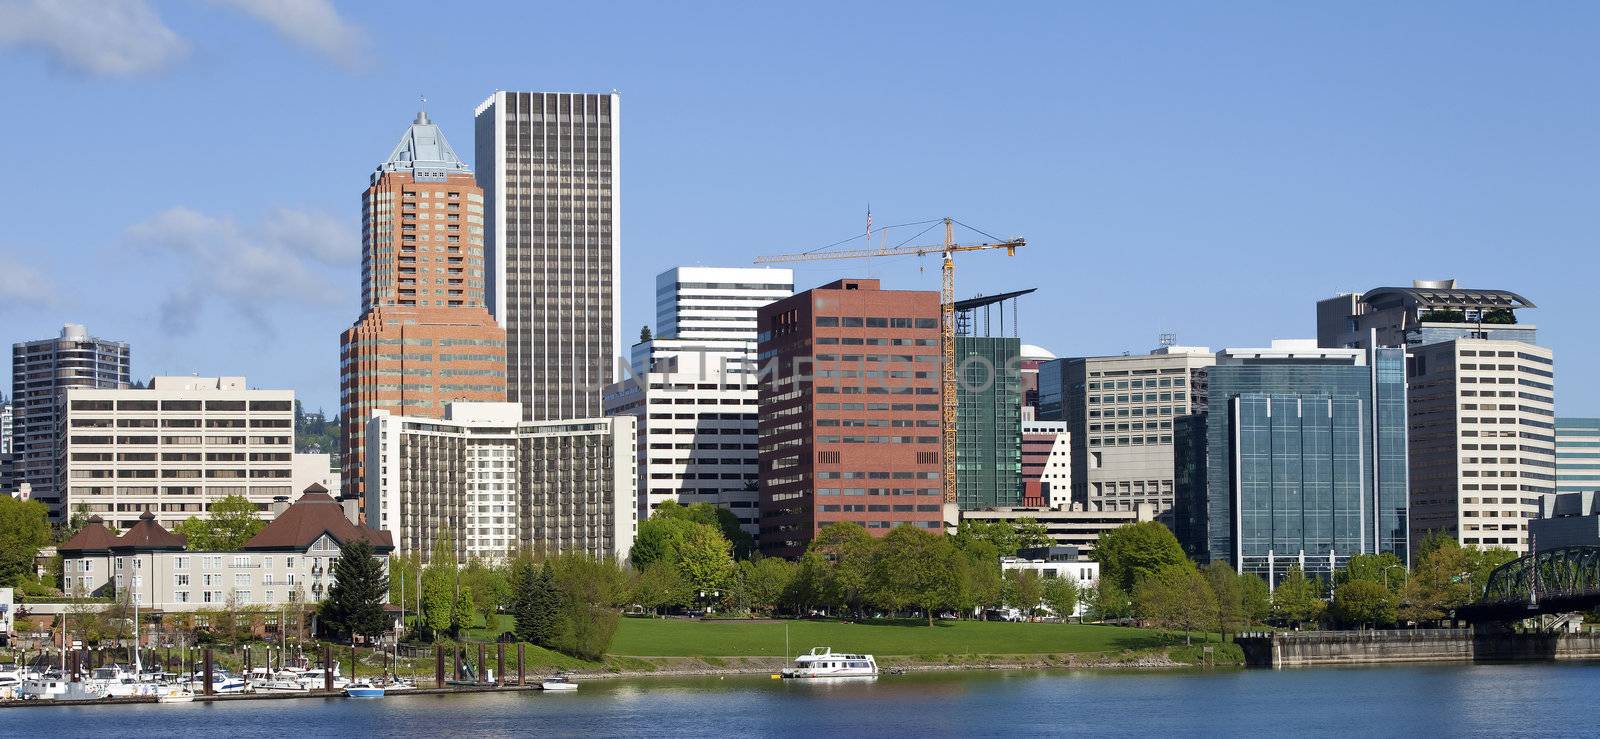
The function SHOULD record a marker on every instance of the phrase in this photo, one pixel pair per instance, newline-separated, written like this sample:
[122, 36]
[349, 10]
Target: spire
[424, 152]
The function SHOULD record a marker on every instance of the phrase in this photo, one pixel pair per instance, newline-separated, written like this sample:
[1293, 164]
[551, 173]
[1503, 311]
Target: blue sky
[186, 175]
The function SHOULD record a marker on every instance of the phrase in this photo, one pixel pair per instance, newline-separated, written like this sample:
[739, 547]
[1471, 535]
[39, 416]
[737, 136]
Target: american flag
[869, 225]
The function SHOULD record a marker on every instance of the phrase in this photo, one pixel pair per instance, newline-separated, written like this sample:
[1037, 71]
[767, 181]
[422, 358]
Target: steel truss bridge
[1559, 580]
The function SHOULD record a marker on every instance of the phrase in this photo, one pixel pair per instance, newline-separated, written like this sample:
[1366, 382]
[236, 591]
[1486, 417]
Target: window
[828, 321]
[181, 581]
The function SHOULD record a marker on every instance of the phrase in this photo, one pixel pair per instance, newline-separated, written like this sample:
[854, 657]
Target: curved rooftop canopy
[1450, 297]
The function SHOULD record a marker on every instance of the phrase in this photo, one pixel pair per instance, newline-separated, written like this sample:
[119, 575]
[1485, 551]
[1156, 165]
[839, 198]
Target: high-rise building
[548, 166]
[174, 448]
[693, 389]
[1119, 412]
[5, 427]
[1299, 458]
[492, 484]
[989, 400]
[716, 303]
[425, 337]
[1577, 454]
[1046, 464]
[1483, 445]
[41, 373]
[849, 412]
[1033, 357]
[1481, 403]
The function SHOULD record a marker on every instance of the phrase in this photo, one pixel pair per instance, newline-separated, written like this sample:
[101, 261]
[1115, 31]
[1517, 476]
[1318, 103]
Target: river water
[1412, 701]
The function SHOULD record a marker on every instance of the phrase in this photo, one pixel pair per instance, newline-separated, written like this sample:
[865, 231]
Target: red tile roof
[313, 515]
[147, 534]
[93, 537]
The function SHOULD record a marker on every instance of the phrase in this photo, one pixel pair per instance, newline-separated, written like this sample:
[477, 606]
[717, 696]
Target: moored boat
[363, 688]
[558, 683]
[824, 662]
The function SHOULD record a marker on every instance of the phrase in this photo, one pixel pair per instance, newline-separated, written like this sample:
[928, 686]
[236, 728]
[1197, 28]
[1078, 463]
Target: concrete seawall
[1325, 648]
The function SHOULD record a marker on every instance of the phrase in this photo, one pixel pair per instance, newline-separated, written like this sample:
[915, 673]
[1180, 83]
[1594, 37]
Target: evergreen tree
[360, 588]
[533, 603]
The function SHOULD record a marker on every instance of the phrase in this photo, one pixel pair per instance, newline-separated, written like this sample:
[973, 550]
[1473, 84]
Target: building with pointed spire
[425, 336]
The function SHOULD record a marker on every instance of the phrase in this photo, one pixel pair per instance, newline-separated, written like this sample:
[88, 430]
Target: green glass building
[1577, 454]
[988, 422]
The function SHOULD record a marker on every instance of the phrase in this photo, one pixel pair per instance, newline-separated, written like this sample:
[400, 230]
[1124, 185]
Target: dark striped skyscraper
[547, 163]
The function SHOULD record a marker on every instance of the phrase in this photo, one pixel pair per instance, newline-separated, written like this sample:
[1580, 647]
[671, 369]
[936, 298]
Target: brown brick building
[424, 336]
[849, 412]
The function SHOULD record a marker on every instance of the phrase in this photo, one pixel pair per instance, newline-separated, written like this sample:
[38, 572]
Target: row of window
[877, 322]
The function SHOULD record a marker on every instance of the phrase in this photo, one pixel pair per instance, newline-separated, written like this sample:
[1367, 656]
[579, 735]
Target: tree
[716, 517]
[765, 582]
[1441, 583]
[1061, 594]
[24, 529]
[1226, 585]
[915, 568]
[533, 602]
[659, 538]
[811, 584]
[1031, 534]
[1481, 562]
[1107, 601]
[354, 606]
[1297, 599]
[983, 589]
[489, 588]
[660, 585]
[1176, 596]
[706, 559]
[1135, 550]
[851, 549]
[229, 523]
[1256, 597]
[439, 587]
[1024, 591]
[1363, 603]
[1378, 568]
[644, 333]
[589, 592]
[1001, 534]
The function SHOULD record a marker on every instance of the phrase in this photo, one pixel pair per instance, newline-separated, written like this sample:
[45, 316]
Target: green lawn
[641, 637]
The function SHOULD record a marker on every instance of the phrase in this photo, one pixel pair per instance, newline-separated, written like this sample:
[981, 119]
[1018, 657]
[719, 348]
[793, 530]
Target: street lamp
[1386, 573]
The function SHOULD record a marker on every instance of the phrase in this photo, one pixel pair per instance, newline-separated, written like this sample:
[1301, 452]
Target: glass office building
[988, 422]
[1299, 459]
[1577, 454]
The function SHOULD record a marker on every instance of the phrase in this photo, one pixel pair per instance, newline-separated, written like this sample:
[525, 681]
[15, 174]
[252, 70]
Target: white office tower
[548, 166]
[693, 389]
[488, 484]
[694, 303]
[175, 448]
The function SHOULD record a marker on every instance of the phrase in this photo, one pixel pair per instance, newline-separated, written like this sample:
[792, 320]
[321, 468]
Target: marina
[1471, 700]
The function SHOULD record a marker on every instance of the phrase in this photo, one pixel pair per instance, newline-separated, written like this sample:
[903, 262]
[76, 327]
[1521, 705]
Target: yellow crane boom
[947, 328]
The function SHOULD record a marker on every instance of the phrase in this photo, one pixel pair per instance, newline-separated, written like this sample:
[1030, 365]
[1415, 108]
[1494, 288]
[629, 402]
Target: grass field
[640, 637]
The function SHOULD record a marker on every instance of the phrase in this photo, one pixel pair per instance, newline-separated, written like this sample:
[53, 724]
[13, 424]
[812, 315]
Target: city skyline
[1319, 174]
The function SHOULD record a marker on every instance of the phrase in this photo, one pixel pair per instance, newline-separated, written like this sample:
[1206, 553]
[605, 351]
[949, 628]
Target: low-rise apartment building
[290, 561]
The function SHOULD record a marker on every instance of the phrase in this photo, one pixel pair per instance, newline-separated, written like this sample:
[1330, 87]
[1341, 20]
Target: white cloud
[102, 38]
[21, 285]
[314, 24]
[254, 270]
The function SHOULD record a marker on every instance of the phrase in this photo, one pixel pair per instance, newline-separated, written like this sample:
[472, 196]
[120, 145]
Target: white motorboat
[285, 681]
[43, 688]
[174, 694]
[363, 688]
[558, 683]
[823, 662]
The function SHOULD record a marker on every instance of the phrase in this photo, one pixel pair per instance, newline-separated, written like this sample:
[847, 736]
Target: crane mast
[948, 403]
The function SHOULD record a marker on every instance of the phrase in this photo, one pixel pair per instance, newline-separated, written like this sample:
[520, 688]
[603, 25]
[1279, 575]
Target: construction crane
[947, 326]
